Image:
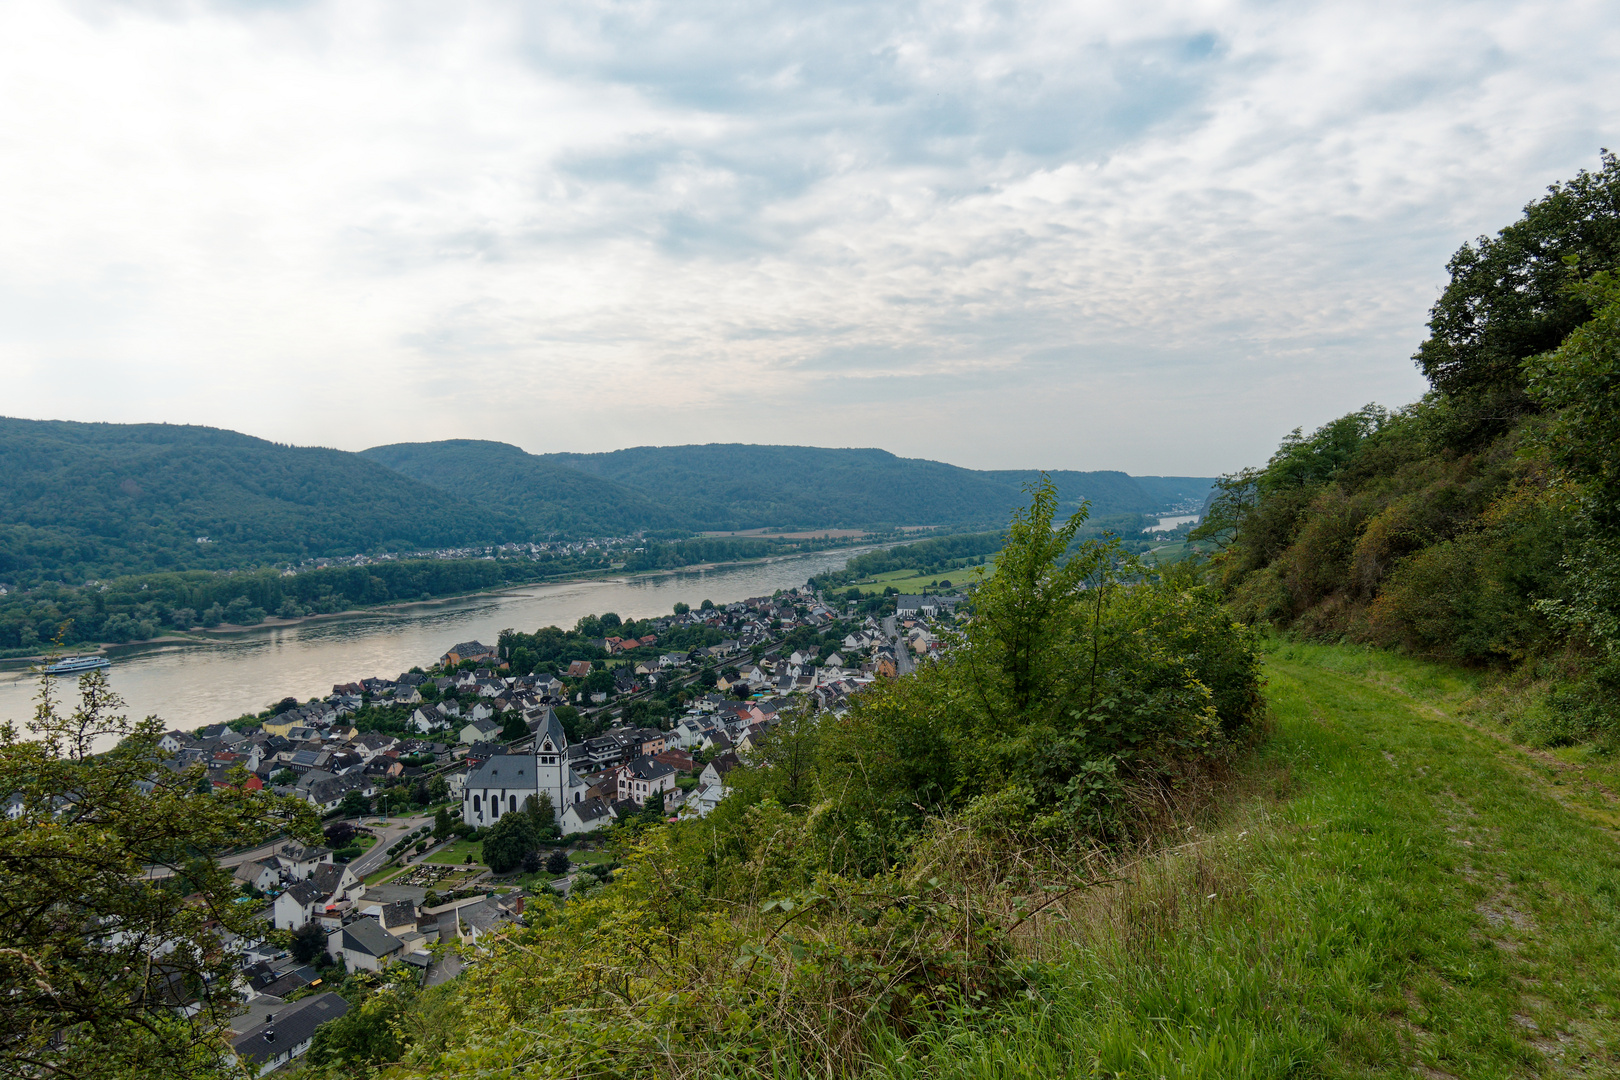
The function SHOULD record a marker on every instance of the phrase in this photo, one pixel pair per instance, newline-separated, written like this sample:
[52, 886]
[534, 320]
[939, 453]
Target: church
[503, 784]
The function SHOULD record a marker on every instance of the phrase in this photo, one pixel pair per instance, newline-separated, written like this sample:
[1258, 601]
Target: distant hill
[721, 486]
[546, 496]
[99, 500]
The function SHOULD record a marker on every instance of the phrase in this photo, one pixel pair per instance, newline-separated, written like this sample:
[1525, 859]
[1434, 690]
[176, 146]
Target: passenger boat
[74, 665]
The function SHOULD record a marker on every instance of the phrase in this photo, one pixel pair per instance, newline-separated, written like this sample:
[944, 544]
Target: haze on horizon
[1003, 236]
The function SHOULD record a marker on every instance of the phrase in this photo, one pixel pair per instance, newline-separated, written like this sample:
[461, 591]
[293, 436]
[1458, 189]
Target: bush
[348, 854]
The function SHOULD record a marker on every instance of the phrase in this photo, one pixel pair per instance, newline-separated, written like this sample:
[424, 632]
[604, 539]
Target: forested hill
[550, 498]
[82, 501]
[739, 486]
[97, 500]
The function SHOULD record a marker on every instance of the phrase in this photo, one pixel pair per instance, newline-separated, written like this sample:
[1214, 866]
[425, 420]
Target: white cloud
[1001, 235]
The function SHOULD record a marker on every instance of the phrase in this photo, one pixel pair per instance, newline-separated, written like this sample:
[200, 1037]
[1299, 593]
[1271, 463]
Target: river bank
[195, 680]
[203, 636]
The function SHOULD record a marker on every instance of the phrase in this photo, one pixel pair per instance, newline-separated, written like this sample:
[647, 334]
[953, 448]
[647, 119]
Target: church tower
[551, 770]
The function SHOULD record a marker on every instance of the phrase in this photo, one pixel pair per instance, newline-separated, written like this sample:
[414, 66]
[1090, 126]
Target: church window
[476, 808]
[511, 802]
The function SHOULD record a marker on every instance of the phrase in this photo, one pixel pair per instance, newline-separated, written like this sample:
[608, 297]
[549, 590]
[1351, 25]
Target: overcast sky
[1005, 235]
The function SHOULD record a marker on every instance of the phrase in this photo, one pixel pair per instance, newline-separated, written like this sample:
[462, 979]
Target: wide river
[230, 674]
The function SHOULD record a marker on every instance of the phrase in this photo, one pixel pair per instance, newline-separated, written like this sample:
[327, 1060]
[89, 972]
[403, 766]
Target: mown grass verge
[1398, 893]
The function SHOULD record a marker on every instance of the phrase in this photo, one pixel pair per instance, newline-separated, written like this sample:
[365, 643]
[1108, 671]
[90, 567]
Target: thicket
[870, 871]
[1482, 524]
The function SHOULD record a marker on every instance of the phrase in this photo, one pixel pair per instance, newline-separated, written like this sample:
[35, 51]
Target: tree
[557, 863]
[707, 605]
[786, 758]
[1508, 300]
[512, 726]
[79, 853]
[354, 804]
[682, 609]
[1580, 383]
[512, 838]
[339, 834]
[308, 942]
[442, 823]
[368, 1034]
[284, 778]
[541, 812]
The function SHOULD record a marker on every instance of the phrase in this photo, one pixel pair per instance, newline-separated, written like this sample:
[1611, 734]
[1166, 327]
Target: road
[365, 864]
[903, 663]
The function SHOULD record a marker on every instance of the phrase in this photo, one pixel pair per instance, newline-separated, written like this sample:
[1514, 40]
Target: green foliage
[511, 838]
[939, 553]
[308, 943]
[724, 487]
[1579, 382]
[369, 1033]
[1508, 300]
[91, 826]
[106, 499]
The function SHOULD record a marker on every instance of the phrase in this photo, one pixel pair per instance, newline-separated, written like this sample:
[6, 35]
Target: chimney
[518, 907]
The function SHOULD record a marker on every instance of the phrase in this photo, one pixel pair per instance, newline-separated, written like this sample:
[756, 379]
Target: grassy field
[456, 854]
[914, 583]
[1388, 891]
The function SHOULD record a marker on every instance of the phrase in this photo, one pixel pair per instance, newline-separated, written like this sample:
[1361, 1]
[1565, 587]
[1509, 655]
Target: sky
[1004, 235]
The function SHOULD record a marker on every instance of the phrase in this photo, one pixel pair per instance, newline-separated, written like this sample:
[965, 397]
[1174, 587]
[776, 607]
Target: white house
[480, 730]
[264, 875]
[643, 778]
[365, 944]
[294, 908]
[585, 816]
[299, 861]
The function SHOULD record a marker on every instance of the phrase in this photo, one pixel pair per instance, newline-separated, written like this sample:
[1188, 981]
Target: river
[219, 679]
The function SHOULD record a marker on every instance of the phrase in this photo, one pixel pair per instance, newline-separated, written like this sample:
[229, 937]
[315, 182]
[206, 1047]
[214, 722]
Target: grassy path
[1397, 892]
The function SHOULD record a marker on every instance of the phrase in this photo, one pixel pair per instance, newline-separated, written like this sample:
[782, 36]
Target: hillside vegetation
[98, 500]
[1482, 524]
[734, 486]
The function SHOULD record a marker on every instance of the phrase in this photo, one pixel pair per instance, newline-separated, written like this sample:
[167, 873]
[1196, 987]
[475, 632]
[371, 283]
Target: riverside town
[560, 735]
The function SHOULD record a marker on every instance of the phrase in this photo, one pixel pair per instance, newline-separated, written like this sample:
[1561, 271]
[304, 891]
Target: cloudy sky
[1083, 235]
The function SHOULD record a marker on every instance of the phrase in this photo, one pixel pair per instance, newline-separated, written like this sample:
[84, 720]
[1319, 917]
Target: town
[457, 794]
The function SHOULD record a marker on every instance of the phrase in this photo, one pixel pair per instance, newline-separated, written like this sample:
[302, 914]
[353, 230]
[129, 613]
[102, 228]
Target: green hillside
[736, 486]
[82, 501]
[99, 500]
[1481, 524]
[549, 498]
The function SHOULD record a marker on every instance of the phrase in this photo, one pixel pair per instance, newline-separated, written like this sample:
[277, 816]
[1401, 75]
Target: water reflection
[195, 684]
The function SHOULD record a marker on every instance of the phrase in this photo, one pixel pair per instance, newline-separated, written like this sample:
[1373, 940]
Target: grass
[1396, 892]
[914, 582]
[456, 854]
[379, 876]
